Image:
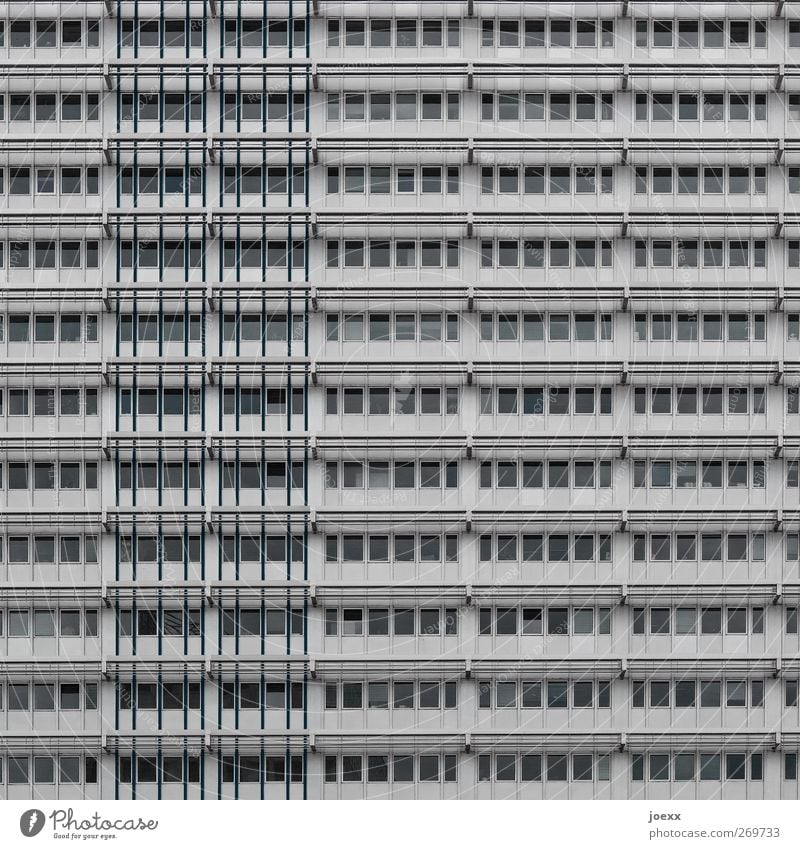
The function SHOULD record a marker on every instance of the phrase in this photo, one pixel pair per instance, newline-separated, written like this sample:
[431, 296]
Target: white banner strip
[444, 825]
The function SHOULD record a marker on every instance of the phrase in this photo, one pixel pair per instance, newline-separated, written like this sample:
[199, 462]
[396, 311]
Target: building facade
[399, 400]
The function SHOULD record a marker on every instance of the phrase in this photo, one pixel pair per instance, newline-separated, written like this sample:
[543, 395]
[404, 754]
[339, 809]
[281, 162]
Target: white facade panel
[399, 402]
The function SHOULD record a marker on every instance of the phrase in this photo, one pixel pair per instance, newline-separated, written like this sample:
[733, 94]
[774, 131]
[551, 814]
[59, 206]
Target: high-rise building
[399, 400]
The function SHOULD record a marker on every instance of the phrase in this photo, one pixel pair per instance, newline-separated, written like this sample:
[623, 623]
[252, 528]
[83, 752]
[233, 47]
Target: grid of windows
[339, 406]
